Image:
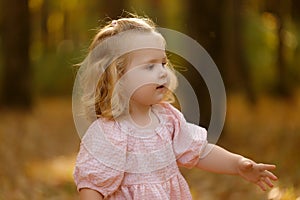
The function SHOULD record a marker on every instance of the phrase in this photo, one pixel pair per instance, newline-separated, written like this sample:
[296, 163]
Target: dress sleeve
[91, 173]
[189, 140]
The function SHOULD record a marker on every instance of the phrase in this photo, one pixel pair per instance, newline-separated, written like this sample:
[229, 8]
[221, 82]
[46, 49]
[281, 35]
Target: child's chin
[159, 100]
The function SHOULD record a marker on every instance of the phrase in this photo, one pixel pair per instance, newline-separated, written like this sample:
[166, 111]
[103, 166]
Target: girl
[137, 139]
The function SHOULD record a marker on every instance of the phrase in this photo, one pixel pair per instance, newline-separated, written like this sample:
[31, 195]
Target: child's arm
[219, 160]
[89, 194]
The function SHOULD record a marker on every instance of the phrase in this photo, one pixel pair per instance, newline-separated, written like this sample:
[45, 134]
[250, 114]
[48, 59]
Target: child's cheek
[172, 80]
[137, 80]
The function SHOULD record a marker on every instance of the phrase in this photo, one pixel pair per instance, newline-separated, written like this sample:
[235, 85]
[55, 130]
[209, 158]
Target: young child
[137, 139]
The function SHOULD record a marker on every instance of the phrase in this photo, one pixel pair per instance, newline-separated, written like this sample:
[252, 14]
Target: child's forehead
[146, 56]
[137, 41]
[128, 42]
[149, 55]
[146, 47]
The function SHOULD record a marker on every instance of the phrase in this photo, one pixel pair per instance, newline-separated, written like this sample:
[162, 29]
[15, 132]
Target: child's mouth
[160, 87]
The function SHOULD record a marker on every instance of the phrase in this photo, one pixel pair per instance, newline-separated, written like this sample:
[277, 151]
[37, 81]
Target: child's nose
[163, 72]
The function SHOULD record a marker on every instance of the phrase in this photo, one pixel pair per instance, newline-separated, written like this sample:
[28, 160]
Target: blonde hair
[100, 101]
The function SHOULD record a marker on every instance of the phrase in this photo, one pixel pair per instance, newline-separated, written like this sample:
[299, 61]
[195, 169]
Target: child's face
[147, 77]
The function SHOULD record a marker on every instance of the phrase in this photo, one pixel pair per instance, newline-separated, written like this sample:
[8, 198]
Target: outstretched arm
[219, 160]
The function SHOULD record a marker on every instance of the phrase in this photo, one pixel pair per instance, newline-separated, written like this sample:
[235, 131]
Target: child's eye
[150, 67]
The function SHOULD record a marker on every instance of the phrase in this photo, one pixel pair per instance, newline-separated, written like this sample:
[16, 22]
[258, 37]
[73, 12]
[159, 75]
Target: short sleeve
[188, 140]
[91, 173]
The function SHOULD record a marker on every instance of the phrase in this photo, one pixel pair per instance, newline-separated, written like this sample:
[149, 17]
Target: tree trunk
[17, 80]
[281, 8]
[231, 76]
[113, 8]
[239, 47]
[204, 25]
[283, 79]
[44, 19]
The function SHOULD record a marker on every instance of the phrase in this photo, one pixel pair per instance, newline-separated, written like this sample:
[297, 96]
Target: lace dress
[123, 162]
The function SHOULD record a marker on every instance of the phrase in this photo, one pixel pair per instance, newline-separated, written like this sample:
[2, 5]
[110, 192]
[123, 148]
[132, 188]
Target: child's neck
[141, 115]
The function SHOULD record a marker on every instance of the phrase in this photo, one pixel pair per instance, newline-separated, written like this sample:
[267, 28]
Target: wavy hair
[99, 100]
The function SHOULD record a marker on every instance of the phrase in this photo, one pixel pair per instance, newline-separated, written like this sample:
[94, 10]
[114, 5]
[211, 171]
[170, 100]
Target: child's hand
[257, 173]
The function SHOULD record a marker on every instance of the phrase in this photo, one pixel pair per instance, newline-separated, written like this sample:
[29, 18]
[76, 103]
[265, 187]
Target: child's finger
[270, 175]
[268, 182]
[263, 167]
[261, 185]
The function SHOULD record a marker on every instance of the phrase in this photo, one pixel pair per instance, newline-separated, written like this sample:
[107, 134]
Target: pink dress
[123, 162]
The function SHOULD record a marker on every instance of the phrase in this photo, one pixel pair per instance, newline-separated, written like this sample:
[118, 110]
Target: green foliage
[62, 29]
[261, 39]
[261, 43]
[55, 73]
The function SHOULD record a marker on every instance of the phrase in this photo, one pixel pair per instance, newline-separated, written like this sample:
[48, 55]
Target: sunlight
[55, 22]
[54, 171]
[275, 194]
[35, 4]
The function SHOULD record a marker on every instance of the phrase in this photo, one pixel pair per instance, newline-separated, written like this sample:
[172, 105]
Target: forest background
[254, 43]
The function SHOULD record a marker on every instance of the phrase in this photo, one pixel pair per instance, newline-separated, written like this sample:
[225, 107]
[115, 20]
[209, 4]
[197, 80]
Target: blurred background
[255, 44]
